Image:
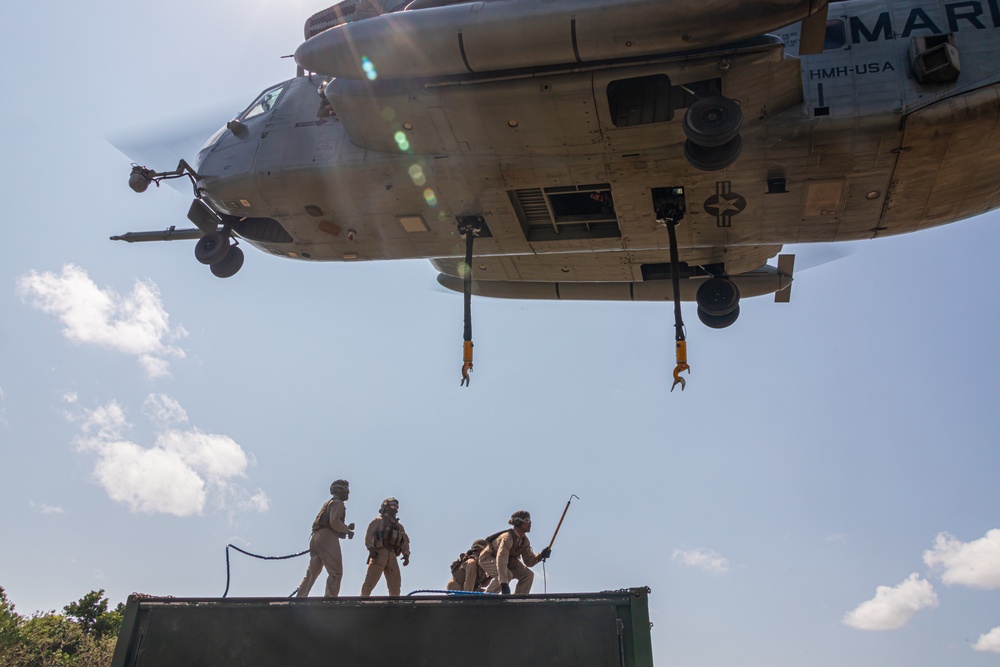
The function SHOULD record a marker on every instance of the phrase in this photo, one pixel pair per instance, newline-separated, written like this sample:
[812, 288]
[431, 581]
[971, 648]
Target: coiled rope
[233, 546]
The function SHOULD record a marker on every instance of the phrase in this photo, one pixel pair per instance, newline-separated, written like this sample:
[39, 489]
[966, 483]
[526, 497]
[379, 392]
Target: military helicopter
[605, 149]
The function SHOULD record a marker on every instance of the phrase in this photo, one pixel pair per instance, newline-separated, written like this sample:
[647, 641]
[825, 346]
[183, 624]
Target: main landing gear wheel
[228, 265]
[212, 248]
[714, 158]
[712, 127]
[718, 296]
[718, 302]
[718, 321]
[713, 121]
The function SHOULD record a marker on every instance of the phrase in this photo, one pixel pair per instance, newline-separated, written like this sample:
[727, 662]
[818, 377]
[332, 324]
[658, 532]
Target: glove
[350, 533]
[406, 560]
[505, 589]
[373, 554]
[545, 553]
[350, 526]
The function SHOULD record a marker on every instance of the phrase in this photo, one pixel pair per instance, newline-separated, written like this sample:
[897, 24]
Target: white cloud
[704, 559]
[177, 475]
[218, 457]
[135, 324]
[893, 606]
[164, 410]
[989, 642]
[258, 501]
[108, 420]
[975, 564]
[147, 480]
[243, 500]
[46, 509]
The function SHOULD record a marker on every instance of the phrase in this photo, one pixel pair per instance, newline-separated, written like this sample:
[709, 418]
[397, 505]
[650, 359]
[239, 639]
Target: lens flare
[463, 269]
[388, 114]
[417, 175]
[430, 197]
[402, 141]
[369, 68]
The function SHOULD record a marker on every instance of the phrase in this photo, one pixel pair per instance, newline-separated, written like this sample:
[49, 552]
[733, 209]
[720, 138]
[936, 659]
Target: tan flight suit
[468, 576]
[378, 538]
[324, 549]
[502, 560]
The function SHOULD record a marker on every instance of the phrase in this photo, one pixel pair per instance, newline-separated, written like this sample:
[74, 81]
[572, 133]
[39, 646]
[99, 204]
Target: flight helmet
[519, 517]
[389, 506]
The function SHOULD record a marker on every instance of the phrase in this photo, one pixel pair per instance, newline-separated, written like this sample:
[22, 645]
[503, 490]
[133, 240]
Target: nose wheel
[229, 265]
[212, 248]
[223, 258]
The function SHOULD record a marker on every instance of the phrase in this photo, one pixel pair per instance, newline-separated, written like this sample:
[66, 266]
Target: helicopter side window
[836, 35]
[264, 103]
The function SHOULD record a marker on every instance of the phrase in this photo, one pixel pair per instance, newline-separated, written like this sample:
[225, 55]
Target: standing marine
[508, 555]
[466, 572]
[328, 530]
[386, 539]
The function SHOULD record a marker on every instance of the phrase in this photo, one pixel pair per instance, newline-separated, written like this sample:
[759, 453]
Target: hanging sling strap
[469, 227]
[675, 279]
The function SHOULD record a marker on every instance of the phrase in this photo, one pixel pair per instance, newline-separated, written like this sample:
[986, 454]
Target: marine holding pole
[508, 556]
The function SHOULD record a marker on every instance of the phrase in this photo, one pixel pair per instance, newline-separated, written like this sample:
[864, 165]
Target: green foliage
[91, 612]
[9, 622]
[48, 640]
[84, 636]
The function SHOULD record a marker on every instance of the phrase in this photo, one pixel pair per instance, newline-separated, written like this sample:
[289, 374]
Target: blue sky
[823, 493]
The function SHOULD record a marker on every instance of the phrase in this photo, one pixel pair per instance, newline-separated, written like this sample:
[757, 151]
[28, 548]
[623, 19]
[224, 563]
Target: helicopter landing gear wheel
[713, 158]
[718, 321]
[212, 248]
[718, 296]
[228, 265]
[713, 121]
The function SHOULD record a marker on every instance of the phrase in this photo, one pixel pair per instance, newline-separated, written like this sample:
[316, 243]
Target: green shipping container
[609, 629]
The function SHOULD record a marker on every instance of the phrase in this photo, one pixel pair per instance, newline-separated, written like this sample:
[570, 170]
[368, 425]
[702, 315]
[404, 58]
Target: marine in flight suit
[466, 572]
[386, 539]
[509, 556]
[328, 530]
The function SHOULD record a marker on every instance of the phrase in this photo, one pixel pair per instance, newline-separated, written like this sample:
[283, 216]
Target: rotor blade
[812, 255]
[438, 288]
[159, 143]
[812, 32]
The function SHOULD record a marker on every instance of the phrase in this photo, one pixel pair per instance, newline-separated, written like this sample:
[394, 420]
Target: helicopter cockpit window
[264, 103]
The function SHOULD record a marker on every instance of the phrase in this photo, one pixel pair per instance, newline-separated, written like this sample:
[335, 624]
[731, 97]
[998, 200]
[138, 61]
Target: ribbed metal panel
[536, 210]
[266, 230]
[328, 18]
